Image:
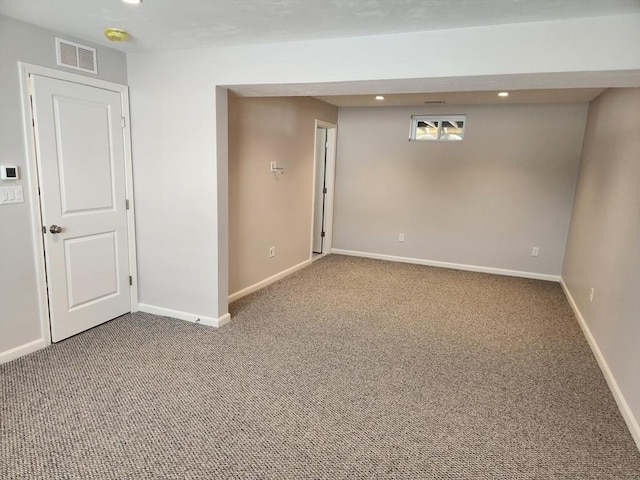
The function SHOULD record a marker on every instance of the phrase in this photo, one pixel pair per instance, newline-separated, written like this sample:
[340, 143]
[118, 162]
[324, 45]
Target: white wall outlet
[272, 252]
[535, 251]
[592, 292]
[401, 237]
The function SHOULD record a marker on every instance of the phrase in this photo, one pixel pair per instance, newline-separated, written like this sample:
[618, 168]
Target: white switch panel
[11, 195]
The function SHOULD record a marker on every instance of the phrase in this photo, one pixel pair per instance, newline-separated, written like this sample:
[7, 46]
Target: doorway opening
[323, 188]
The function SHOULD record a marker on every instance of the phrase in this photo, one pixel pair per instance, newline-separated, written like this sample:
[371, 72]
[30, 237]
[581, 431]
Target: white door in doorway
[320, 190]
[80, 151]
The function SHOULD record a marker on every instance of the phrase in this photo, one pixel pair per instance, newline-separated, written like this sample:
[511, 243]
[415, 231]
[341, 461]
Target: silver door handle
[55, 229]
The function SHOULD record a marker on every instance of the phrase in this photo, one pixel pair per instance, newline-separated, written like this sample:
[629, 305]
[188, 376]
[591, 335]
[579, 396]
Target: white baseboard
[623, 406]
[189, 317]
[268, 281]
[22, 350]
[454, 266]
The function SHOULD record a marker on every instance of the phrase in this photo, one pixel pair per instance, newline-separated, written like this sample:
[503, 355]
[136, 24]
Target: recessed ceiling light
[503, 94]
[379, 97]
[132, 2]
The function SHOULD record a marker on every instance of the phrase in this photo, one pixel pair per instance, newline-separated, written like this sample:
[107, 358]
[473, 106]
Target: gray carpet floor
[348, 369]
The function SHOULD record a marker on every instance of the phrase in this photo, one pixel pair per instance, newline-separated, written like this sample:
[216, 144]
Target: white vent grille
[78, 57]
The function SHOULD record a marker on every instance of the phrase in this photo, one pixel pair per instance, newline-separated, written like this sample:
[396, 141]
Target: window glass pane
[427, 130]
[452, 130]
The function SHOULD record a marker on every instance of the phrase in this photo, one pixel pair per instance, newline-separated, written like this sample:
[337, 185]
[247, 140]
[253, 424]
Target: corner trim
[189, 317]
[22, 350]
[623, 406]
[454, 266]
[267, 281]
[223, 320]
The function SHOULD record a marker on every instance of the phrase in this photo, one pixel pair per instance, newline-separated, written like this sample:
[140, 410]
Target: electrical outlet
[272, 252]
[401, 237]
[535, 251]
[592, 292]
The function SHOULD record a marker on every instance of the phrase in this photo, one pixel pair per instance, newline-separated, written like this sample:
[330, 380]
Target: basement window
[448, 128]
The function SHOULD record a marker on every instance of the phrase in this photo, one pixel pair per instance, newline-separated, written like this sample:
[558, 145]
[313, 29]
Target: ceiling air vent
[78, 57]
[434, 102]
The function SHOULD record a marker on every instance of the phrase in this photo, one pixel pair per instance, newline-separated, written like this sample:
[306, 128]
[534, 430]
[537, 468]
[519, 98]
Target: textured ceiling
[176, 24]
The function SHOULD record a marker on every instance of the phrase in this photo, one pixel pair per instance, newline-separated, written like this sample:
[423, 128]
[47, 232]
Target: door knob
[55, 229]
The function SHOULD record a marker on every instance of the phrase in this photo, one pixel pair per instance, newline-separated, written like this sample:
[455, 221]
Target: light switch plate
[11, 195]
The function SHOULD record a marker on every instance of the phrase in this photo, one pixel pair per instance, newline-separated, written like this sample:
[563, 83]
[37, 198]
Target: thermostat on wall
[8, 172]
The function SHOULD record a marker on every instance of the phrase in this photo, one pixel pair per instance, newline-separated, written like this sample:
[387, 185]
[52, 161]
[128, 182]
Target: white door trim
[332, 137]
[25, 69]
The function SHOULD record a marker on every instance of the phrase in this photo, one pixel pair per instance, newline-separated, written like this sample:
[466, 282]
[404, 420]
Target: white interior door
[320, 190]
[81, 164]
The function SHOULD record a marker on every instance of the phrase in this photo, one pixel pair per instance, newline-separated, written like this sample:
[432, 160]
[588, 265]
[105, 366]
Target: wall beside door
[484, 202]
[270, 209]
[603, 248]
[20, 325]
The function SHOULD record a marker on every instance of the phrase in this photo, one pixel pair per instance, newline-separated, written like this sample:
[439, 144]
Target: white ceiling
[516, 97]
[177, 24]
[562, 87]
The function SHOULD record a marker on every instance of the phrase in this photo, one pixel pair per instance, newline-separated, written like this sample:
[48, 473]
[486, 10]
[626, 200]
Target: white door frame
[330, 174]
[33, 181]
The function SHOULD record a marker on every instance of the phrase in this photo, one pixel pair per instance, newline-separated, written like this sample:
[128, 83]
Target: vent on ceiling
[78, 57]
[434, 102]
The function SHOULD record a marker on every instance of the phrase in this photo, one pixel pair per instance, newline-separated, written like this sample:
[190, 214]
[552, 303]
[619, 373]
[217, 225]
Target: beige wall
[267, 209]
[603, 248]
[21, 42]
[485, 201]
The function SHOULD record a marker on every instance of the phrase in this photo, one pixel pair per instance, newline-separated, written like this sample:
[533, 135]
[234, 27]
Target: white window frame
[436, 118]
